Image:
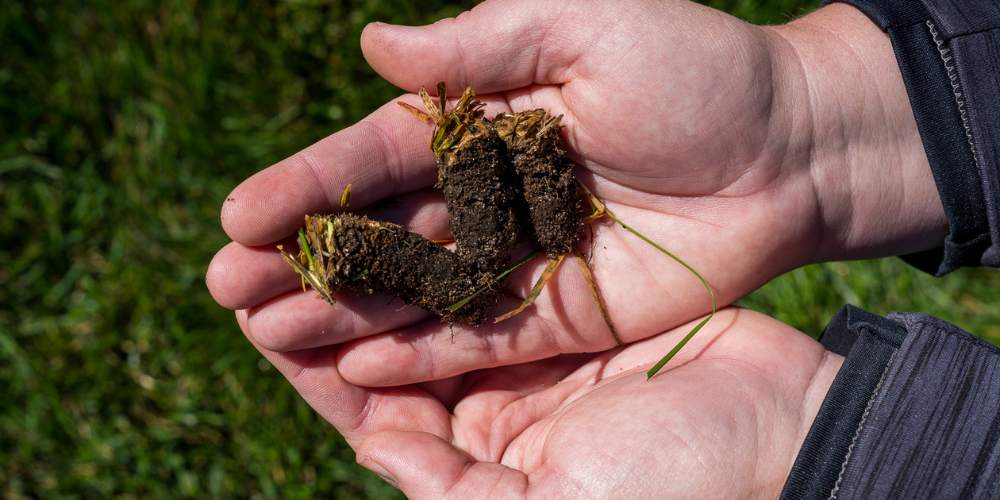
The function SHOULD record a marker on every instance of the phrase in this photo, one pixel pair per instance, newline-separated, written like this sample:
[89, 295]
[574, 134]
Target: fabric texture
[868, 342]
[949, 54]
[913, 413]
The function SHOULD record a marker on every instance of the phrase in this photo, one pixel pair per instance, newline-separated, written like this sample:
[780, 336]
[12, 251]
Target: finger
[422, 212]
[426, 466]
[354, 411]
[481, 393]
[387, 153]
[303, 320]
[242, 277]
[499, 45]
[431, 350]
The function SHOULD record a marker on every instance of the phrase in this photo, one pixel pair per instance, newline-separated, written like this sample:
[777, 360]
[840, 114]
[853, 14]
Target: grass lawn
[124, 126]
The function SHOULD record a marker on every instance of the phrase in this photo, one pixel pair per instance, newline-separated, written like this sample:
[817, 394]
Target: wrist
[873, 191]
[796, 422]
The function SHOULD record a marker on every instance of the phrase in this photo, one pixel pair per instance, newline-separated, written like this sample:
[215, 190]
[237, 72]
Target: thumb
[425, 466]
[499, 45]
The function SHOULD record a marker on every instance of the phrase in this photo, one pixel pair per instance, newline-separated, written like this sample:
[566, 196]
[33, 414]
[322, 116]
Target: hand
[747, 151]
[726, 421]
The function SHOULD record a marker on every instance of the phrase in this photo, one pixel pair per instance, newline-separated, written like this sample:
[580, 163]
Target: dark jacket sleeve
[913, 413]
[915, 410]
[949, 55]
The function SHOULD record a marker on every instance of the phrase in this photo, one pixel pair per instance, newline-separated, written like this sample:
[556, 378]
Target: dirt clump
[353, 252]
[481, 196]
[546, 175]
[480, 189]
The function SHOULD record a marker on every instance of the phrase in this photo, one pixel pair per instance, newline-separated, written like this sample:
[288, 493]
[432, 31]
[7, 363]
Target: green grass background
[124, 125]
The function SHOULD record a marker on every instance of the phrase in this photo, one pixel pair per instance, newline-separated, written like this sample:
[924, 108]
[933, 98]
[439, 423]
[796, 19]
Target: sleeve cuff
[912, 413]
[940, 47]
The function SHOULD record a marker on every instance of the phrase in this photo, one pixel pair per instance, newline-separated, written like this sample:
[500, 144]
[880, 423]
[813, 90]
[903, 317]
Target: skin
[726, 420]
[746, 150]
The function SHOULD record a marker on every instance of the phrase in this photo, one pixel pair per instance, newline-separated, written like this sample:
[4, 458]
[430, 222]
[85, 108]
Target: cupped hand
[726, 420]
[698, 129]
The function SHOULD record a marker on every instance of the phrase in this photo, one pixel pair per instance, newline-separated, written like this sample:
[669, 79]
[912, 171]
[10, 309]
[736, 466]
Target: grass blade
[304, 245]
[595, 293]
[708, 288]
[536, 290]
[416, 112]
[677, 348]
[345, 197]
[500, 277]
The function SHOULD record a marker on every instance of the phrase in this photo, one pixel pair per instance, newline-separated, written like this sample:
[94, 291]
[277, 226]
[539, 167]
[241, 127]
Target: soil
[482, 196]
[371, 256]
[547, 178]
[494, 176]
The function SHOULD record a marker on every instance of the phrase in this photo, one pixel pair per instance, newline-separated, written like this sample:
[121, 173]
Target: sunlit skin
[726, 420]
[747, 151]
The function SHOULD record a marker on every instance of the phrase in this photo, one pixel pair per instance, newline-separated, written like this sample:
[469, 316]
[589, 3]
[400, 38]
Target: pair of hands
[746, 150]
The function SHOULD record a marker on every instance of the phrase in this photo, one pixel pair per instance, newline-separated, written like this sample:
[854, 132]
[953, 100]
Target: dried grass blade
[550, 269]
[422, 116]
[345, 197]
[442, 97]
[595, 293]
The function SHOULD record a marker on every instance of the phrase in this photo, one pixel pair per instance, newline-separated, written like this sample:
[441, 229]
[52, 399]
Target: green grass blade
[677, 348]
[304, 245]
[708, 288]
[500, 277]
[306, 273]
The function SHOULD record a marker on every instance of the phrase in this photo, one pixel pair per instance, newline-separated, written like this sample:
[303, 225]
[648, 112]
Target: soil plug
[347, 251]
[549, 187]
[475, 176]
[546, 175]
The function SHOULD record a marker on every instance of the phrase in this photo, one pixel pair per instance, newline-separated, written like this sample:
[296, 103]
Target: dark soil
[371, 256]
[547, 178]
[482, 196]
[494, 175]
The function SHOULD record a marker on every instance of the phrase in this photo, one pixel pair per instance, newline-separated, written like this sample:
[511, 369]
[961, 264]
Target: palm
[649, 110]
[668, 148]
[679, 144]
[669, 159]
[725, 421]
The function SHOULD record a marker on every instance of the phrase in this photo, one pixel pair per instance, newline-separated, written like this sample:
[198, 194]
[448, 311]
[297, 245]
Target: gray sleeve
[932, 428]
[967, 35]
[922, 414]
